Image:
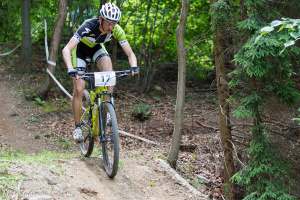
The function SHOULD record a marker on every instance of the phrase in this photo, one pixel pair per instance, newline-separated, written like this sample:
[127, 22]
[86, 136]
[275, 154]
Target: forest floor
[56, 170]
[39, 160]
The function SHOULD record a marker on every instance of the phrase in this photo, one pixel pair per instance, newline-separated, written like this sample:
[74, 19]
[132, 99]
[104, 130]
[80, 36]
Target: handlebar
[90, 75]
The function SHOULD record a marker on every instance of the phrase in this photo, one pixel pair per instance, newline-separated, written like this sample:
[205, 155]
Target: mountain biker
[87, 42]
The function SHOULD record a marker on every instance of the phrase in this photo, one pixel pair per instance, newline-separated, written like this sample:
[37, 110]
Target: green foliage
[221, 13]
[39, 101]
[10, 23]
[152, 36]
[199, 40]
[141, 111]
[266, 174]
[265, 69]
[147, 34]
[247, 105]
[265, 66]
[10, 13]
[256, 15]
[290, 28]
[79, 11]
[58, 105]
[250, 24]
[262, 59]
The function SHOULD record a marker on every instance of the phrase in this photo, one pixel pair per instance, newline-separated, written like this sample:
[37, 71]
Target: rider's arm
[66, 52]
[131, 56]
[120, 35]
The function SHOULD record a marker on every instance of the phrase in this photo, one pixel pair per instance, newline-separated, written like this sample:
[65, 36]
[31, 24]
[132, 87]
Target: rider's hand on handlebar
[72, 72]
[134, 70]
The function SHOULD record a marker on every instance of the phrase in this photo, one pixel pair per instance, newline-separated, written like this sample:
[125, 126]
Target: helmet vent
[110, 11]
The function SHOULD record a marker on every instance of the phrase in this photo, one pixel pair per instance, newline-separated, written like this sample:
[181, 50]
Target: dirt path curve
[81, 180]
[13, 133]
[139, 177]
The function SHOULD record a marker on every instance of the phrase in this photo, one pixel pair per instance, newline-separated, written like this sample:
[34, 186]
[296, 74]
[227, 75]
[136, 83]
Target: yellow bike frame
[95, 109]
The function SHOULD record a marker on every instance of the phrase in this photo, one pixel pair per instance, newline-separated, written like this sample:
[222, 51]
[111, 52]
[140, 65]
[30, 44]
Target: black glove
[134, 70]
[72, 72]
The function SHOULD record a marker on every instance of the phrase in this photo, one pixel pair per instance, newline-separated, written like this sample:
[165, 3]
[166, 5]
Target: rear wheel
[87, 145]
[110, 139]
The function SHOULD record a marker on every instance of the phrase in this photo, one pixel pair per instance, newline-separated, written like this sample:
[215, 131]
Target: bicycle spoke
[86, 146]
[110, 138]
[85, 138]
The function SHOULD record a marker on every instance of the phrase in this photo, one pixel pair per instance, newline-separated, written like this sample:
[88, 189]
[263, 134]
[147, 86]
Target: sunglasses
[110, 22]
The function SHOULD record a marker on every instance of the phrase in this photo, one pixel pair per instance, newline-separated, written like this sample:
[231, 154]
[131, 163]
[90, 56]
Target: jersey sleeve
[119, 34]
[83, 30]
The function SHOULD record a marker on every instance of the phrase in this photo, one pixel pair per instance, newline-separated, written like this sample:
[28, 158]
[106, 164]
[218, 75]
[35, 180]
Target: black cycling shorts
[84, 52]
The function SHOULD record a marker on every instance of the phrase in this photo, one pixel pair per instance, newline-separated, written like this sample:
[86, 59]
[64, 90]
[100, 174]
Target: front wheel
[110, 139]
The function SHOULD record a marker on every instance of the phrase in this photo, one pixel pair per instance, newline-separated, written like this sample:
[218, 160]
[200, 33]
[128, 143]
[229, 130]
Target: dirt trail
[13, 133]
[85, 179]
[140, 176]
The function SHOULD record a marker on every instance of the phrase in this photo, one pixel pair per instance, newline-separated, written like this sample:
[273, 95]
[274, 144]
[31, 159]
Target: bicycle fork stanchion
[101, 127]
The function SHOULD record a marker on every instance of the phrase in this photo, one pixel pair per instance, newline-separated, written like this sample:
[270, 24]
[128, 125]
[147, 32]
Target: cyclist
[87, 42]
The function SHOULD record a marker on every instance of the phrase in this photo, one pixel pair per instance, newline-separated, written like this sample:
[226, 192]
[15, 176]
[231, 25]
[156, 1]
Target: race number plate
[105, 78]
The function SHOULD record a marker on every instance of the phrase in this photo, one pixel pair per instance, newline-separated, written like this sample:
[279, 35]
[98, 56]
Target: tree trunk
[179, 109]
[54, 46]
[150, 72]
[26, 37]
[143, 49]
[224, 111]
[224, 117]
[243, 10]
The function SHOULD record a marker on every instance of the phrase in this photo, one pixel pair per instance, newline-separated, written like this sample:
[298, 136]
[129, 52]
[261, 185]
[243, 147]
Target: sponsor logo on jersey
[87, 30]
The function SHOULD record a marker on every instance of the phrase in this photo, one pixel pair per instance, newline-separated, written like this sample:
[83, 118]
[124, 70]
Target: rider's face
[107, 26]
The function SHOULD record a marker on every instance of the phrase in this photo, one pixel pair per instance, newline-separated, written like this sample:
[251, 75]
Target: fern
[265, 66]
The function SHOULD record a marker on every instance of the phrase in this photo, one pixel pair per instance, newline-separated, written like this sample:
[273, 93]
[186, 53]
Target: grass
[44, 157]
[55, 105]
[8, 184]
[7, 181]
[64, 143]
[8, 158]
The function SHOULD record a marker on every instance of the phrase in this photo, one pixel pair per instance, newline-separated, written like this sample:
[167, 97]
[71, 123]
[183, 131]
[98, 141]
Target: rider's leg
[78, 87]
[101, 57]
[104, 64]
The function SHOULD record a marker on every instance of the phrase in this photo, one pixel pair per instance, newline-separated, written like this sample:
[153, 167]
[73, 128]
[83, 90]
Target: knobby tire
[111, 147]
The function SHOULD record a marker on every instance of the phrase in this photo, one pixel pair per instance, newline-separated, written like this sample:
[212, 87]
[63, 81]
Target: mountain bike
[99, 120]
